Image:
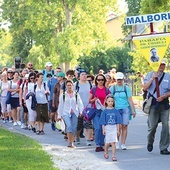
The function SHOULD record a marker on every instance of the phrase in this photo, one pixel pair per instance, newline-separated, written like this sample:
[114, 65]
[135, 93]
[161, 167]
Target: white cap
[26, 76]
[48, 64]
[163, 62]
[119, 75]
[9, 70]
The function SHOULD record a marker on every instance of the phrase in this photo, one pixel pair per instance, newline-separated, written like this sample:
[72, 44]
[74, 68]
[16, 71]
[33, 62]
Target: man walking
[159, 110]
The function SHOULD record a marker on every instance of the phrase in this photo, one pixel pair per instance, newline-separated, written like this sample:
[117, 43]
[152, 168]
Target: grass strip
[19, 152]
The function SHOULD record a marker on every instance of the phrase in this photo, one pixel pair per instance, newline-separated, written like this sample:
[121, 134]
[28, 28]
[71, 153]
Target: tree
[65, 29]
[154, 6]
[107, 58]
[5, 58]
[133, 10]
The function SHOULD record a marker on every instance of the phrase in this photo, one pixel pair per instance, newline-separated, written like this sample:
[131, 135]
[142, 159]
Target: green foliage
[64, 29]
[106, 59]
[5, 58]
[154, 6]
[133, 10]
[139, 62]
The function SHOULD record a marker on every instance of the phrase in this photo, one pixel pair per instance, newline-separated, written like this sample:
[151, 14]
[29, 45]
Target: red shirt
[100, 94]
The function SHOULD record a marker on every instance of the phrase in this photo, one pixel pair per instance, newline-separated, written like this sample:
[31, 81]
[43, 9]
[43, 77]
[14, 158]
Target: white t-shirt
[4, 88]
[13, 86]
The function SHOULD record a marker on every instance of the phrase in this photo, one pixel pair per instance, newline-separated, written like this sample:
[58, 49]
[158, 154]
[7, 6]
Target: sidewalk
[85, 158]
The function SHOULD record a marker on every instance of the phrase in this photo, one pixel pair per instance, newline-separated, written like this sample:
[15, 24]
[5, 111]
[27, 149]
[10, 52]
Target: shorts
[14, 103]
[88, 125]
[124, 115]
[51, 108]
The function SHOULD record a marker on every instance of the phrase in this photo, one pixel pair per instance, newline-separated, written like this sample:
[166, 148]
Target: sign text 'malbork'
[143, 19]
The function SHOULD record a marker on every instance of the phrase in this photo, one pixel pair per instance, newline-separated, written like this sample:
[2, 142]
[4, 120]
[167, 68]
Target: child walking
[110, 121]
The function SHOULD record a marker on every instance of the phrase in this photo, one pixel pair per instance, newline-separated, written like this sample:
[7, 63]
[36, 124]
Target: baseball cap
[9, 70]
[81, 71]
[60, 74]
[119, 75]
[163, 62]
[26, 76]
[48, 64]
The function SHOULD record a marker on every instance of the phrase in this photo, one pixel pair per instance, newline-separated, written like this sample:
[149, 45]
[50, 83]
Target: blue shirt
[121, 96]
[51, 84]
[45, 74]
[164, 87]
[110, 117]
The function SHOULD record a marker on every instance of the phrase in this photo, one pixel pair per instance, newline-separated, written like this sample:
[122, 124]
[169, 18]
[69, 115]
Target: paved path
[84, 157]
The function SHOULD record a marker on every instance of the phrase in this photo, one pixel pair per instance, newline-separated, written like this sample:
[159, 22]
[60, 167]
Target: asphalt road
[85, 158]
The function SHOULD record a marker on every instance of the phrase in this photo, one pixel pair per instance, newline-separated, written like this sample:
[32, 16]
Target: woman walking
[4, 89]
[13, 87]
[70, 106]
[41, 92]
[123, 101]
[97, 95]
[30, 90]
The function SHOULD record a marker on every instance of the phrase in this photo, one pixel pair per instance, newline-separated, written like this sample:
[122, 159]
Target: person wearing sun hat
[123, 100]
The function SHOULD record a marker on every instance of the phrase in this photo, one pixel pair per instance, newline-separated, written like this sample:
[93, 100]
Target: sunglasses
[32, 78]
[119, 79]
[100, 79]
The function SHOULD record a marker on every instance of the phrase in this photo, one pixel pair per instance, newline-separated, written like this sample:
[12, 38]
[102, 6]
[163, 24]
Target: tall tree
[154, 6]
[133, 10]
[64, 28]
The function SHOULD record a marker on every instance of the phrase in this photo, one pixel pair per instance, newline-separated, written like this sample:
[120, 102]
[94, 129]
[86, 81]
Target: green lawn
[18, 152]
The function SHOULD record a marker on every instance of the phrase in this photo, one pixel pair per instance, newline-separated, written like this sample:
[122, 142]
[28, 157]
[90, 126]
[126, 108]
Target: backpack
[64, 96]
[52, 72]
[114, 87]
[95, 88]
[77, 85]
[35, 86]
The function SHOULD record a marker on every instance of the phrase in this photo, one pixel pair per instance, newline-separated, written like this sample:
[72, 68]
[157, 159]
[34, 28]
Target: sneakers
[99, 149]
[4, 121]
[29, 127]
[15, 124]
[10, 120]
[78, 141]
[88, 143]
[19, 123]
[22, 126]
[117, 145]
[123, 147]
[53, 126]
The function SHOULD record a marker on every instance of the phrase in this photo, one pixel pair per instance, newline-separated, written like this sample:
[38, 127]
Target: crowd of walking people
[30, 99]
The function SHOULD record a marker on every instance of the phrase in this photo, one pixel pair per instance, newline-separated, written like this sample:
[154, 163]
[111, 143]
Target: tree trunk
[67, 64]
